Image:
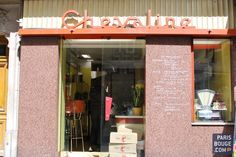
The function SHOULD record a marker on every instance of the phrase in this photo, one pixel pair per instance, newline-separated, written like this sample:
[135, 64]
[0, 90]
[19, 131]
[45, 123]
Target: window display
[106, 77]
[212, 76]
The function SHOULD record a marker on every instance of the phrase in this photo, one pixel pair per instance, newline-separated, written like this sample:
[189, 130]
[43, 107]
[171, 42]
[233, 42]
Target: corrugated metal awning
[46, 13]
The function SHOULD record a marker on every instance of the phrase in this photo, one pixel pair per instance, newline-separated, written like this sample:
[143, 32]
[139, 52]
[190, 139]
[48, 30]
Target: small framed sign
[222, 144]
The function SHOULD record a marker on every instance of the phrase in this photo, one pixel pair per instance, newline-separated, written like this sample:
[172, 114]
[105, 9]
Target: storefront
[83, 72]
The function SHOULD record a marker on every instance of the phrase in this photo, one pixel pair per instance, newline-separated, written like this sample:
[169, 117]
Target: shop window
[103, 80]
[212, 73]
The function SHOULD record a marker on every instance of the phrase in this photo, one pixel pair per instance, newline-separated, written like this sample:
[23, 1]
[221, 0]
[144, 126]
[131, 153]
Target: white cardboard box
[122, 128]
[121, 137]
[122, 155]
[122, 148]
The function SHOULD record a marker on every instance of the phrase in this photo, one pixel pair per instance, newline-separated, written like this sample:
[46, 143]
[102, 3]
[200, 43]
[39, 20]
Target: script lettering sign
[73, 20]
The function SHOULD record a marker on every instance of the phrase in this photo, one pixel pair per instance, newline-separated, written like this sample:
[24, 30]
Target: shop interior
[102, 83]
[212, 70]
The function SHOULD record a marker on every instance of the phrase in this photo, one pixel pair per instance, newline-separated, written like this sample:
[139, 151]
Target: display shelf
[211, 122]
[123, 116]
[220, 109]
[223, 109]
[217, 114]
[129, 119]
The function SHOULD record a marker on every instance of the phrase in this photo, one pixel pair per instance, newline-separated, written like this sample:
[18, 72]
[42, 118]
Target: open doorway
[102, 81]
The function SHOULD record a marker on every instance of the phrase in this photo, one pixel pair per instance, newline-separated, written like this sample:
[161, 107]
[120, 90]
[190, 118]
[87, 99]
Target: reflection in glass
[213, 80]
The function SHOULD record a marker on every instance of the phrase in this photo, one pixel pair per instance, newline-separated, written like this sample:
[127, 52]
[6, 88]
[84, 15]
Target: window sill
[118, 116]
[76, 154]
[212, 123]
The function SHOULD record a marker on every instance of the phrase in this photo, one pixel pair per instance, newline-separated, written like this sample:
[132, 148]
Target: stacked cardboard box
[123, 143]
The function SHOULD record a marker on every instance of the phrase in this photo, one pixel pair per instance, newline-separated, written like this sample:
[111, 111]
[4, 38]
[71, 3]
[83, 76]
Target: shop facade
[180, 53]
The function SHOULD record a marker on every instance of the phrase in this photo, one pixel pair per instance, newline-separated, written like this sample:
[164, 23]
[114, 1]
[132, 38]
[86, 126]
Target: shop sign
[222, 144]
[72, 20]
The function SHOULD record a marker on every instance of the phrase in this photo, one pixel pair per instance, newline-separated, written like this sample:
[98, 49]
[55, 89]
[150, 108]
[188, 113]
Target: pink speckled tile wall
[233, 62]
[38, 111]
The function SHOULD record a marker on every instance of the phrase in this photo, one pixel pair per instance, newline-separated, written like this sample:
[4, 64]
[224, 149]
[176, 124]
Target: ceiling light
[86, 56]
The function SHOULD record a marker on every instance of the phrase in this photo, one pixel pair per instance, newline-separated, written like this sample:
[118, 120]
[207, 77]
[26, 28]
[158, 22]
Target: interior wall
[73, 84]
[85, 68]
[222, 76]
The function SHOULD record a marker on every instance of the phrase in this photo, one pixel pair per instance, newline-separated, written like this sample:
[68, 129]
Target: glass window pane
[212, 71]
[104, 80]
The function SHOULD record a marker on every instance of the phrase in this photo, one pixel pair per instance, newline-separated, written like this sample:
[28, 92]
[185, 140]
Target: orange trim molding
[134, 32]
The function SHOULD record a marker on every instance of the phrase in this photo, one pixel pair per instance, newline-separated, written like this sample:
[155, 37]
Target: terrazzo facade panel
[38, 112]
[233, 63]
[169, 99]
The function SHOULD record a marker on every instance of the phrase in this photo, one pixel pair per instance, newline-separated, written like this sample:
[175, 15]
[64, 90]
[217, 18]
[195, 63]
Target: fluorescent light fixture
[86, 56]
